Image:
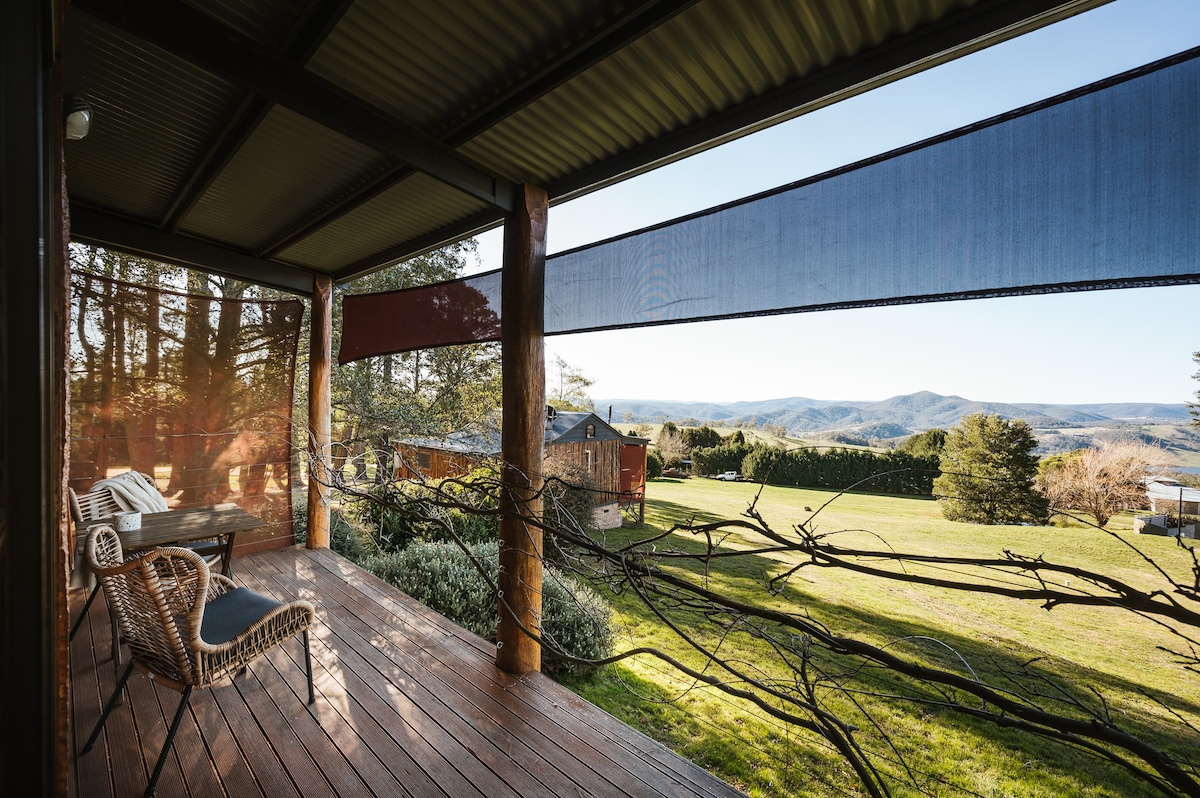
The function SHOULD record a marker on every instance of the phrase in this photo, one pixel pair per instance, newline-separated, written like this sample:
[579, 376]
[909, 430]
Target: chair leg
[108, 708]
[162, 757]
[115, 625]
[87, 605]
[312, 698]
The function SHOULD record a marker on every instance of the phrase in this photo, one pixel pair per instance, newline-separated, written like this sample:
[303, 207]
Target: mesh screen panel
[454, 312]
[194, 390]
[1098, 188]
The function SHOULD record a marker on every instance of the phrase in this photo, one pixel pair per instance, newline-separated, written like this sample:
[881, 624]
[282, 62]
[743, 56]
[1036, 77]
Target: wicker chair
[99, 505]
[186, 627]
[92, 506]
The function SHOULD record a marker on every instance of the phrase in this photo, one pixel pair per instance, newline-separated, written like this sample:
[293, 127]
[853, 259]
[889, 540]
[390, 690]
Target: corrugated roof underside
[778, 42]
[154, 116]
[432, 65]
[268, 22]
[407, 211]
[289, 167]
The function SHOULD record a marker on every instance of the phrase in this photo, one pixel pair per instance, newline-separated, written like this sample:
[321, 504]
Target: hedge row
[839, 469]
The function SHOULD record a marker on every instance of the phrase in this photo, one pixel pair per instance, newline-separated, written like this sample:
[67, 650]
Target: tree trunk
[142, 430]
[105, 430]
[523, 431]
[188, 462]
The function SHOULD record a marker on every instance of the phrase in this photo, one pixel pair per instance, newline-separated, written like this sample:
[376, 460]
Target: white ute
[730, 476]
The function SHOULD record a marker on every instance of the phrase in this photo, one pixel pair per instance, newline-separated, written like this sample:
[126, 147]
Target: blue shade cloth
[1097, 188]
[230, 614]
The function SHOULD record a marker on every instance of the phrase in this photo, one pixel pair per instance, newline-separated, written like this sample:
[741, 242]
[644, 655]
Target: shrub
[576, 620]
[568, 504]
[440, 576]
[395, 515]
[703, 438]
[719, 459]
[477, 490]
[654, 465]
[391, 528]
[347, 539]
[759, 465]
[838, 469]
[443, 578]
[929, 443]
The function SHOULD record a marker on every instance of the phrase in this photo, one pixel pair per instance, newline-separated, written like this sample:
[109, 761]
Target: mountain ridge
[915, 412]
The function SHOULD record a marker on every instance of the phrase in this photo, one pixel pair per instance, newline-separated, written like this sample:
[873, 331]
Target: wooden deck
[408, 704]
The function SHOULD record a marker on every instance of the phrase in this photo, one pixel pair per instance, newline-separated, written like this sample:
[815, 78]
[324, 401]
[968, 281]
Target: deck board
[408, 704]
[494, 687]
[463, 716]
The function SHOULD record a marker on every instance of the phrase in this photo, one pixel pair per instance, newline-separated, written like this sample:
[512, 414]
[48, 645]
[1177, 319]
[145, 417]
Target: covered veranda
[408, 704]
[301, 144]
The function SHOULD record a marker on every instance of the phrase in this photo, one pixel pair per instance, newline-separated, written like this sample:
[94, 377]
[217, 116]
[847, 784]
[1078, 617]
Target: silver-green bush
[440, 575]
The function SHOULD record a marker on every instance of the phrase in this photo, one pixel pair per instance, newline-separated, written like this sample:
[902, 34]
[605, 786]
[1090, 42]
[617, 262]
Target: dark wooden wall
[442, 463]
[605, 465]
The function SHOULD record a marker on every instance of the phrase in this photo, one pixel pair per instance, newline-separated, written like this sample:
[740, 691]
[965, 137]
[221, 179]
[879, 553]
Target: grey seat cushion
[232, 613]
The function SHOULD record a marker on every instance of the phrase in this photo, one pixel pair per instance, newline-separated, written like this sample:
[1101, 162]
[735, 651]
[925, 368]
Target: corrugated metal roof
[566, 94]
[288, 166]
[1170, 493]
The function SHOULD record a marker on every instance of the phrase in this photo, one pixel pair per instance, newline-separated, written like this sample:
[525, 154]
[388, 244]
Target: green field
[1111, 652]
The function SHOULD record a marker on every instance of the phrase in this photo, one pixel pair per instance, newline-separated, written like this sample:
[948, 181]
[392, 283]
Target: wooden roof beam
[223, 51]
[629, 27]
[94, 226]
[311, 28]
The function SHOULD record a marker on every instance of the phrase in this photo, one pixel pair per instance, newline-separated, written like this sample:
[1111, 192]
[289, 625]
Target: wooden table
[221, 521]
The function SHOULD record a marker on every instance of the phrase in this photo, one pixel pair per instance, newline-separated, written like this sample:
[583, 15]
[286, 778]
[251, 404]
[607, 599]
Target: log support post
[523, 431]
[319, 411]
[35, 685]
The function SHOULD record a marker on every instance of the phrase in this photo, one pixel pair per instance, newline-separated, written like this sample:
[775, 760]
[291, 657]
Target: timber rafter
[620, 32]
[216, 48]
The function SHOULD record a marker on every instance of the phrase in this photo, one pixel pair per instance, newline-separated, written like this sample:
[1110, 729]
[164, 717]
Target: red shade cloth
[456, 312]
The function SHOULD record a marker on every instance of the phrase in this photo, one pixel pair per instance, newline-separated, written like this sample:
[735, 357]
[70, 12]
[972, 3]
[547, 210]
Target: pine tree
[988, 471]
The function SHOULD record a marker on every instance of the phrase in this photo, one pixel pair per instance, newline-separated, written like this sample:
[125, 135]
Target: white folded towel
[132, 492]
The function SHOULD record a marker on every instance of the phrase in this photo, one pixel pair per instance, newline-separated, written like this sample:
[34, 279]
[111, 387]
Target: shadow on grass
[737, 758]
[680, 513]
[1046, 767]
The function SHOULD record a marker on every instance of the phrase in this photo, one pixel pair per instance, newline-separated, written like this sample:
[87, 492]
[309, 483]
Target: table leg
[227, 555]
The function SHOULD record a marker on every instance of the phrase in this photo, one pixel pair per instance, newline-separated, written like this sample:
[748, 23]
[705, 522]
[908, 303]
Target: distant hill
[893, 419]
[917, 412]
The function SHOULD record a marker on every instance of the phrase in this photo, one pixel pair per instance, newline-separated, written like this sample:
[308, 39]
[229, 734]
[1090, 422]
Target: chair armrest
[218, 585]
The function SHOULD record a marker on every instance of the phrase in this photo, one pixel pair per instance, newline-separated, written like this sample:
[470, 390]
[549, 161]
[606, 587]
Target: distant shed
[616, 462]
[441, 458]
[1169, 496]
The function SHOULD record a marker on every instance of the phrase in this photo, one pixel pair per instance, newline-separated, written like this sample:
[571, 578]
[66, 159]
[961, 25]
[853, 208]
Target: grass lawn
[1100, 649]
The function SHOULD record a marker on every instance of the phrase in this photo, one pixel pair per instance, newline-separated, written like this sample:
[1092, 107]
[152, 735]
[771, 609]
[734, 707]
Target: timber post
[319, 411]
[522, 325]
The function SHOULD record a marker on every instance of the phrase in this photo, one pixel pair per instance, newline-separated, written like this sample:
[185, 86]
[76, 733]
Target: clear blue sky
[1098, 346]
